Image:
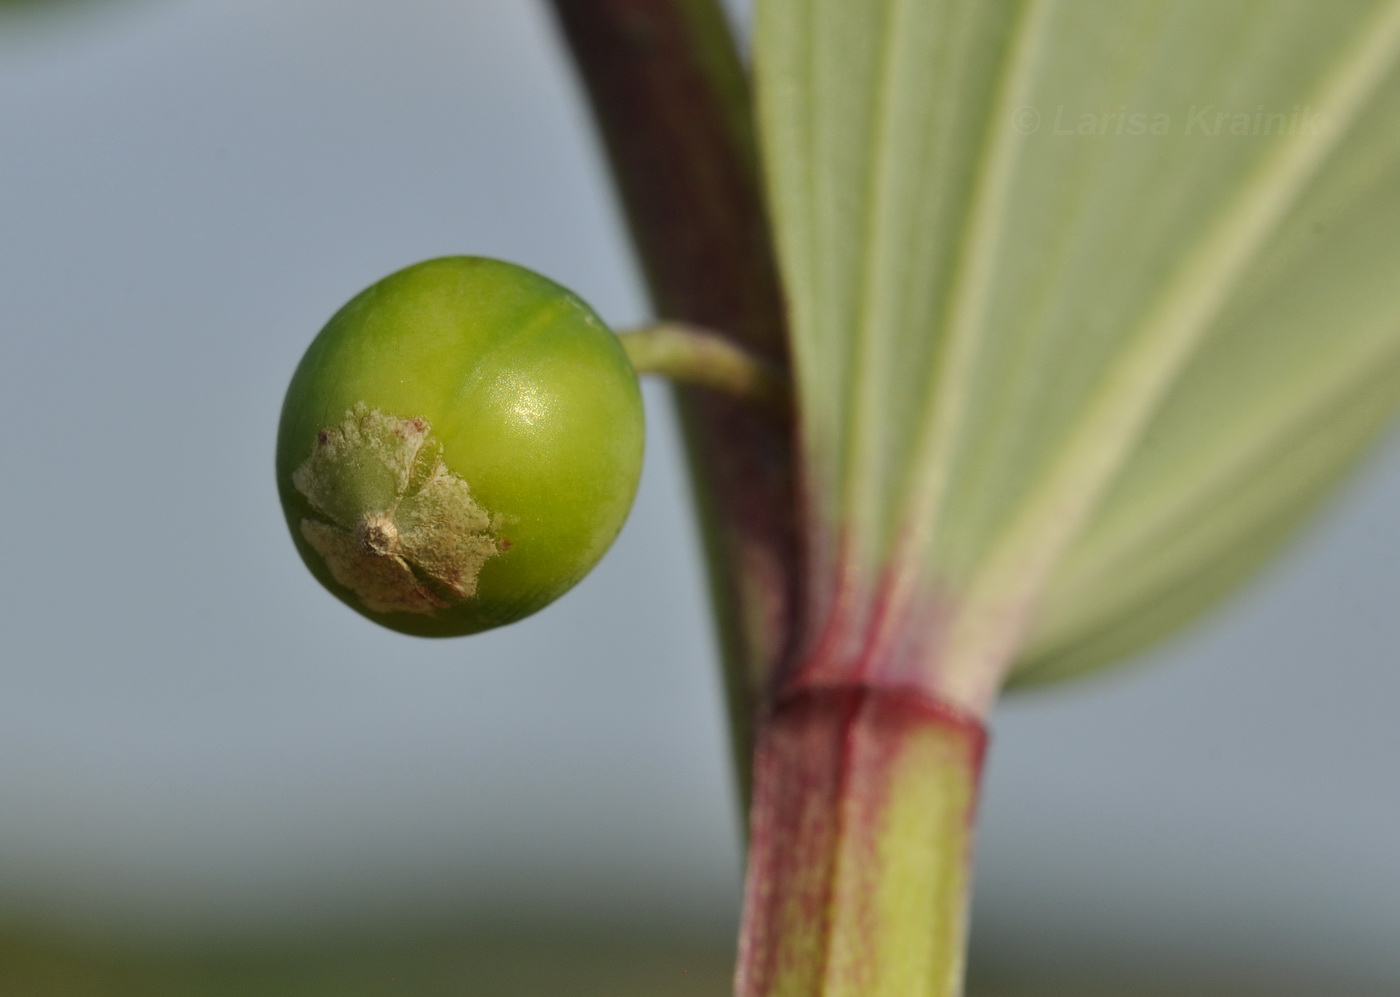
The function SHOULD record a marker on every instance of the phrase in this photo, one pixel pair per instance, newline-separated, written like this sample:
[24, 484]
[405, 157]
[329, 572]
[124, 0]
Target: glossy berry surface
[459, 446]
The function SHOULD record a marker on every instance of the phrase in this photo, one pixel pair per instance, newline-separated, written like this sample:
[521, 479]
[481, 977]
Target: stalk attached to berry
[462, 442]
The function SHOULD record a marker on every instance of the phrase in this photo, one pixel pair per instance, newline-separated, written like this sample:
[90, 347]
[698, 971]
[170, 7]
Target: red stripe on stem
[860, 849]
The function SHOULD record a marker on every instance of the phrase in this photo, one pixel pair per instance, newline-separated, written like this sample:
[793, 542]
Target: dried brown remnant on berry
[401, 531]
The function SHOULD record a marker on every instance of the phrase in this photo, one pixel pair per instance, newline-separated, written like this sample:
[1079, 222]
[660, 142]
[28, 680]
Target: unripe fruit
[459, 446]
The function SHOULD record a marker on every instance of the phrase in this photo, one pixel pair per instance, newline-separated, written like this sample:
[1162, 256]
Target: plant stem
[861, 846]
[694, 355]
[668, 90]
[863, 798]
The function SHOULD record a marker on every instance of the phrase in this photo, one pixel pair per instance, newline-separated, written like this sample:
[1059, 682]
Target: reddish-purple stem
[669, 94]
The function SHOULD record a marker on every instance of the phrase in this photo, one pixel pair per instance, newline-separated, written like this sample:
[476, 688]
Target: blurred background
[215, 779]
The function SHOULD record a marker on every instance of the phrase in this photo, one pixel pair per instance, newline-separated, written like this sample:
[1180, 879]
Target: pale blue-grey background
[195, 738]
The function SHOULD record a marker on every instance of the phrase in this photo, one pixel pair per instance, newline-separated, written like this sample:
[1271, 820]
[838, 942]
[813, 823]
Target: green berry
[459, 446]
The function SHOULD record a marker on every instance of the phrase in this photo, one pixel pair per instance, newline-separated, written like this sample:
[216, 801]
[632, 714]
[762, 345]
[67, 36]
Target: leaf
[1091, 303]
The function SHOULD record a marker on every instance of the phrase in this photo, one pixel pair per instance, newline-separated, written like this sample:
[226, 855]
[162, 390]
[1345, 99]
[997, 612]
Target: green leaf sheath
[868, 114]
[1091, 302]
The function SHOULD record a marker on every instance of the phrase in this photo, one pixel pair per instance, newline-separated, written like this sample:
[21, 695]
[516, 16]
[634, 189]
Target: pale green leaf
[1092, 301]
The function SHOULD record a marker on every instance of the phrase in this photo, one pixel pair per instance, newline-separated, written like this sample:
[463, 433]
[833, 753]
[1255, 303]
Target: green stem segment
[859, 864]
[691, 354]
